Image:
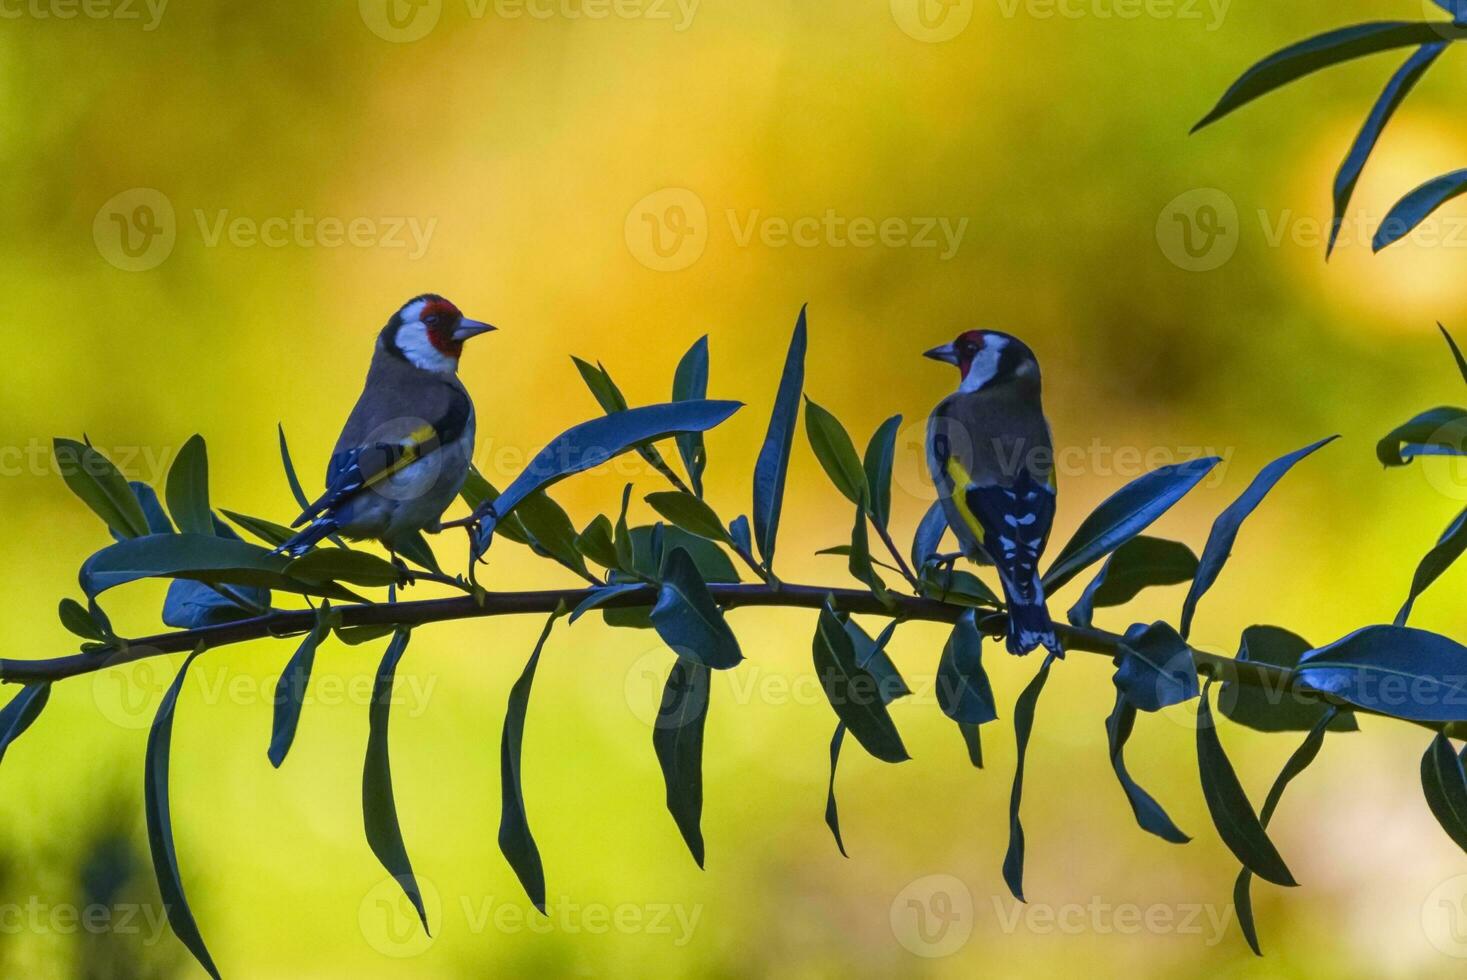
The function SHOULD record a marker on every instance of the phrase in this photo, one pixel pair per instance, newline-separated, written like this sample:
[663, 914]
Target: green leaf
[414, 547]
[687, 618]
[1138, 564]
[188, 489]
[1322, 51]
[592, 443]
[832, 812]
[1298, 762]
[295, 484]
[267, 531]
[854, 693]
[689, 513]
[324, 566]
[611, 400]
[773, 463]
[379, 809]
[871, 657]
[677, 737]
[597, 597]
[160, 825]
[1225, 529]
[1397, 670]
[878, 462]
[21, 711]
[515, 841]
[859, 564]
[1456, 352]
[597, 543]
[1155, 668]
[1232, 814]
[290, 689]
[1123, 515]
[690, 383]
[1438, 431]
[928, 537]
[1407, 213]
[1149, 813]
[951, 585]
[1024, 707]
[1445, 783]
[836, 452]
[205, 558]
[1273, 709]
[548, 525]
[647, 560]
[963, 689]
[477, 491]
[1448, 549]
[93, 478]
[78, 621]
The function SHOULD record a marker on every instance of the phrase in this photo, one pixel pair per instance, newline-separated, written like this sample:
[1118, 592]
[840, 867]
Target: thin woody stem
[1277, 681]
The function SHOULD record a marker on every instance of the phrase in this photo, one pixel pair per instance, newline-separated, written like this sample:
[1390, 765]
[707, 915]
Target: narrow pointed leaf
[206, 558]
[689, 513]
[290, 689]
[1396, 90]
[1138, 564]
[611, 400]
[1156, 668]
[860, 564]
[601, 595]
[677, 737]
[1456, 351]
[322, 566]
[690, 383]
[598, 543]
[379, 809]
[1436, 561]
[296, 490]
[160, 825]
[188, 489]
[1149, 813]
[1125, 514]
[687, 618]
[267, 531]
[1232, 814]
[963, 588]
[878, 462]
[1225, 529]
[738, 531]
[1401, 671]
[1322, 51]
[832, 812]
[854, 693]
[77, 620]
[1443, 429]
[21, 711]
[592, 443]
[1013, 860]
[515, 841]
[1417, 206]
[1445, 784]
[929, 535]
[158, 522]
[1274, 708]
[835, 451]
[963, 690]
[93, 478]
[1298, 762]
[973, 740]
[773, 463]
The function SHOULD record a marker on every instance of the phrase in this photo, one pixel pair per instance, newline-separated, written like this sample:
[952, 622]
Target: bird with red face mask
[405, 451]
[992, 460]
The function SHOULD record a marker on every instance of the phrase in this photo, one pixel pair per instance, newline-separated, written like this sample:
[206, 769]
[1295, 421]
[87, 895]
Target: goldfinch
[992, 460]
[405, 450]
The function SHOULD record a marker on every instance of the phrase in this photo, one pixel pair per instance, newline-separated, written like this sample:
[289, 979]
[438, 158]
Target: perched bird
[992, 460]
[405, 450]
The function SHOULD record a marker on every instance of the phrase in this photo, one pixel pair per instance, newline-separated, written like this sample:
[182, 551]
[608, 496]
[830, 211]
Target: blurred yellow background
[211, 209]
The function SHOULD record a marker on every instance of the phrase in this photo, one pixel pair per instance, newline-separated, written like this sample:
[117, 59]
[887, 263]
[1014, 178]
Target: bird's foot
[408, 578]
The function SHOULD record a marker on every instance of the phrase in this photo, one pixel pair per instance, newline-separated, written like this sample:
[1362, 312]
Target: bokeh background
[210, 209]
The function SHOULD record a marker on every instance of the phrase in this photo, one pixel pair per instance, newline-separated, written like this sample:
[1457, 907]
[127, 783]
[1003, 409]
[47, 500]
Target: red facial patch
[967, 347]
[441, 318]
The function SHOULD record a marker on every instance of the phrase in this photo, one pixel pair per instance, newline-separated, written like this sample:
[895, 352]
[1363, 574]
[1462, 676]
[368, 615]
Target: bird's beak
[943, 353]
[470, 328]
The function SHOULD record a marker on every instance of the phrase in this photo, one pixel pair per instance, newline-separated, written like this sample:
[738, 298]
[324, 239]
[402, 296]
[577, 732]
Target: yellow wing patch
[411, 450]
[962, 479]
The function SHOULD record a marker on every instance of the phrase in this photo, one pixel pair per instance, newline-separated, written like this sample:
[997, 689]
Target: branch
[282, 623]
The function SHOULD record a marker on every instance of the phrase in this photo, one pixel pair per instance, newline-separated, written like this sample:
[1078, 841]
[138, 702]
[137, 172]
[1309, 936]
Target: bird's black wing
[1013, 525]
[357, 469]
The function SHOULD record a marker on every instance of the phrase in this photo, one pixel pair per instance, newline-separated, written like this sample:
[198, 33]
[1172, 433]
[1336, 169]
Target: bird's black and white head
[989, 359]
[429, 332]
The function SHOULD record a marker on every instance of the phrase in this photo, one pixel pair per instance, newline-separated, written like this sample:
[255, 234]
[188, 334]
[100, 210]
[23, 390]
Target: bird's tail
[306, 539]
[1029, 622]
